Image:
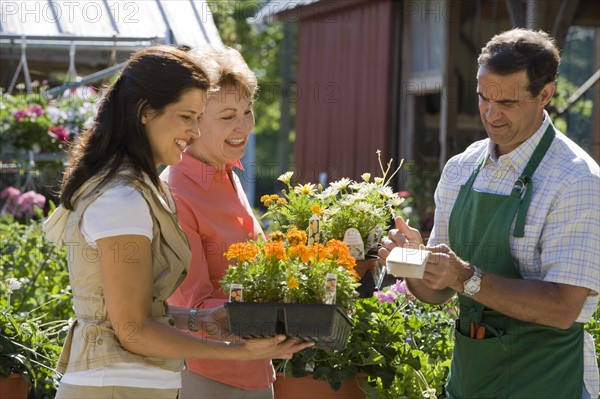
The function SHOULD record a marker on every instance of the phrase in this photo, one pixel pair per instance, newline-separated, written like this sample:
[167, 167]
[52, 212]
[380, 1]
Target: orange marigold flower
[347, 261]
[264, 198]
[275, 249]
[242, 251]
[293, 283]
[321, 252]
[292, 252]
[281, 201]
[277, 236]
[273, 197]
[338, 248]
[305, 252]
[295, 237]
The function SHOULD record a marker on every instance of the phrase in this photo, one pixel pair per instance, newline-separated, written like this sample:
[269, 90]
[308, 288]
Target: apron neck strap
[523, 185]
[469, 183]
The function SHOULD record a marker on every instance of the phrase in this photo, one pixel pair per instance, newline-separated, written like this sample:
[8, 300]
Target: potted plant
[34, 121]
[285, 285]
[357, 213]
[367, 206]
[398, 347]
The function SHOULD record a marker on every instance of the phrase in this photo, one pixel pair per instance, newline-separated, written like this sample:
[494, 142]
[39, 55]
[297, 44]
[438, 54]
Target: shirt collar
[519, 157]
[202, 173]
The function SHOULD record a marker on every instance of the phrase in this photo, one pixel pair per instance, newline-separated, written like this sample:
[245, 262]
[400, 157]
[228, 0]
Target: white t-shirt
[120, 211]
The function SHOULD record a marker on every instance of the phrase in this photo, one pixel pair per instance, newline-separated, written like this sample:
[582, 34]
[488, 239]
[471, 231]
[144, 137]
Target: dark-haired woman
[126, 251]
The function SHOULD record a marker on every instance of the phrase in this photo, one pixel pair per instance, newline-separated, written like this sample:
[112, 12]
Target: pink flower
[400, 287]
[27, 203]
[31, 110]
[11, 193]
[403, 194]
[386, 297]
[21, 114]
[12, 196]
[35, 109]
[60, 133]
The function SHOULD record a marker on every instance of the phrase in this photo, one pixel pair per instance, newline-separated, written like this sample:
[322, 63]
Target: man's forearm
[425, 294]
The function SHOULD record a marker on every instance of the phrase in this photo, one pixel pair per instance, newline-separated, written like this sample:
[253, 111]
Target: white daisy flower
[286, 177]
[341, 184]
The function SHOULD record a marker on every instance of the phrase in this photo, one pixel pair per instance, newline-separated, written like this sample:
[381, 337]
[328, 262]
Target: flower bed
[40, 123]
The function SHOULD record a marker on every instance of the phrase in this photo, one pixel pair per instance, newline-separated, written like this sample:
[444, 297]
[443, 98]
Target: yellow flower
[268, 200]
[305, 189]
[242, 251]
[274, 249]
[282, 201]
[317, 210]
[293, 283]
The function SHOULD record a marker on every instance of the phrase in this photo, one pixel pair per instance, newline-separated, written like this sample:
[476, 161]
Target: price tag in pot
[235, 293]
[330, 289]
[314, 230]
[374, 236]
[355, 243]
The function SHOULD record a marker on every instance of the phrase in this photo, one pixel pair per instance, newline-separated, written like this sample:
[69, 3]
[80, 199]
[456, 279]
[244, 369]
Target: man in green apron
[516, 235]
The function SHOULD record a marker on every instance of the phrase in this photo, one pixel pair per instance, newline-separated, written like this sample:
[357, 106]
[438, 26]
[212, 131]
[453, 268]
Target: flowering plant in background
[22, 205]
[285, 269]
[367, 205]
[37, 122]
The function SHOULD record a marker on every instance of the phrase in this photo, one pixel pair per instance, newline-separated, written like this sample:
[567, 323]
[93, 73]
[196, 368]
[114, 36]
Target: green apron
[516, 359]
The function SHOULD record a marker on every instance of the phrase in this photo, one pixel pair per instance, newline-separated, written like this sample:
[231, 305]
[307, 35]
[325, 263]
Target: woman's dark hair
[519, 50]
[153, 78]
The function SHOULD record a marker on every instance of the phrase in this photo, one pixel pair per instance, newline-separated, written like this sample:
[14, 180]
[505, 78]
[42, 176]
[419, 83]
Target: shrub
[34, 315]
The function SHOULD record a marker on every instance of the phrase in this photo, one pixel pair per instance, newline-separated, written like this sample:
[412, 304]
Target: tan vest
[91, 341]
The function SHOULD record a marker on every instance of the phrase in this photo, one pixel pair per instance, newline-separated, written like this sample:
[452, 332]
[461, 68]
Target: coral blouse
[214, 212]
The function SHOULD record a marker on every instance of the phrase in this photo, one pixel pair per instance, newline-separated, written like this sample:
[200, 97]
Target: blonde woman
[214, 213]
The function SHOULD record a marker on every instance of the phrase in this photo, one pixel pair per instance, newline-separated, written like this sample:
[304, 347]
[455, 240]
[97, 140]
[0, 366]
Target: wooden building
[399, 75]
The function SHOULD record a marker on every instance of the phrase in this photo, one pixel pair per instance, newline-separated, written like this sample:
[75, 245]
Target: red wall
[344, 79]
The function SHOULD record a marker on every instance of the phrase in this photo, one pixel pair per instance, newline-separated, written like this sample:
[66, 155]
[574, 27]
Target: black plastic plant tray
[326, 325]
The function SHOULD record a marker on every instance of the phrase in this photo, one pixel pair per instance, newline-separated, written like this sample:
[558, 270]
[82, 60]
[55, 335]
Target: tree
[576, 67]
[260, 44]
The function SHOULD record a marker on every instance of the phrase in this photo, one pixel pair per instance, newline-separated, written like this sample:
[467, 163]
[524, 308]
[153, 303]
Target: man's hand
[401, 236]
[445, 269]
[405, 236]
